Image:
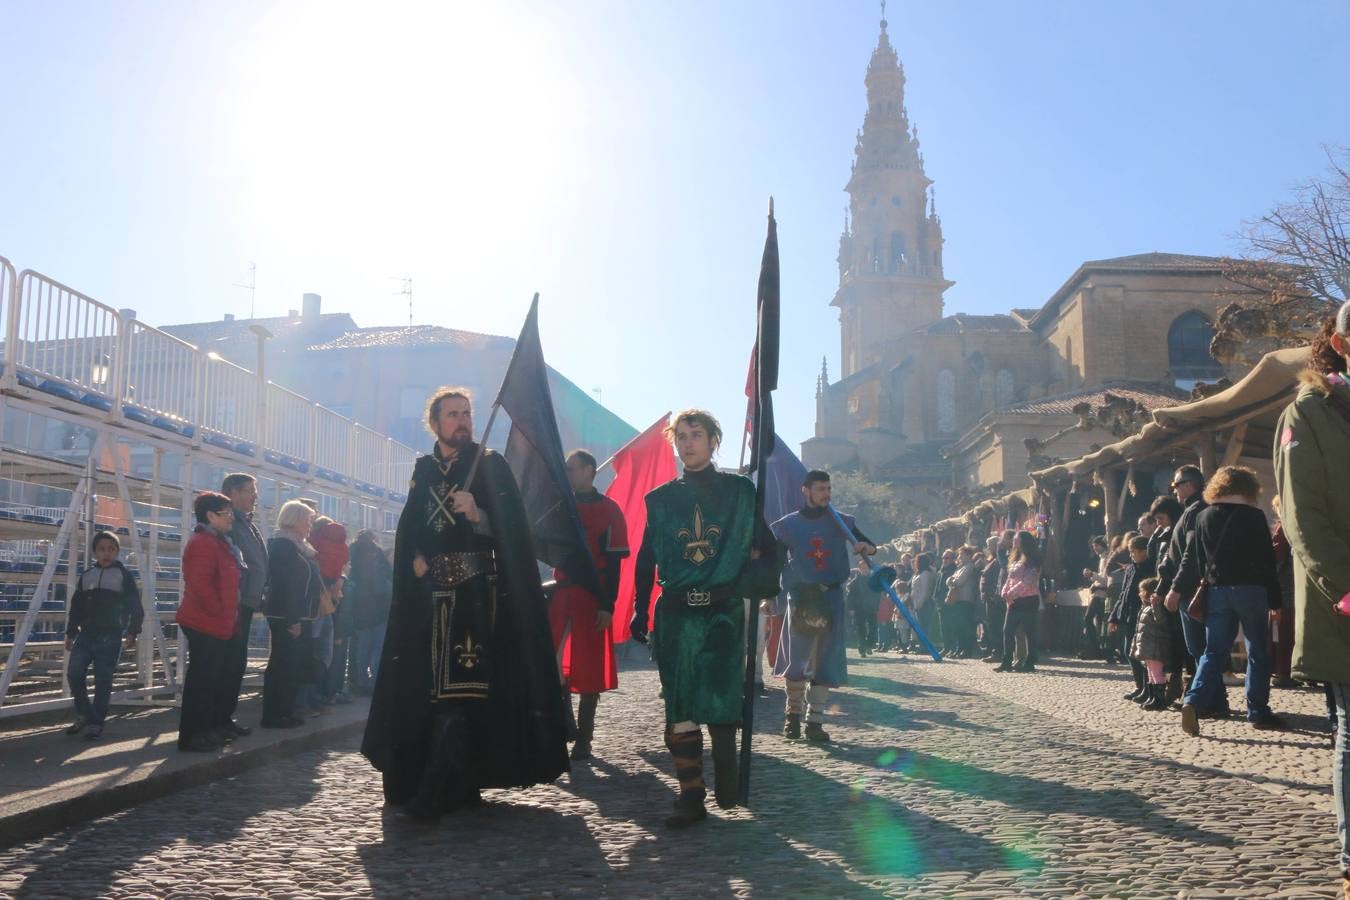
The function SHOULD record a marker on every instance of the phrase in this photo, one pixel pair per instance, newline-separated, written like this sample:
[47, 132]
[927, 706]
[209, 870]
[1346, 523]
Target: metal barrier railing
[64, 341]
[332, 444]
[402, 460]
[229, 404]
[370, 460]
[67, 344]
[159, 376]
[9, 309]
[290, 424]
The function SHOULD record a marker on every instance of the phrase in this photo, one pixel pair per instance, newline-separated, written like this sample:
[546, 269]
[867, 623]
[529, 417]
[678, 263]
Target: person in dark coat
[1232, 554]
[367, 606]
[242, 489]
[294, 588]
[467, 695]
[1154, 644]
[1125, 613]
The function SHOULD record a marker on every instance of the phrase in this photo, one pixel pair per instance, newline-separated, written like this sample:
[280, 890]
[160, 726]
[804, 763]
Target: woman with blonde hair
[1233, 557]
[293, 590]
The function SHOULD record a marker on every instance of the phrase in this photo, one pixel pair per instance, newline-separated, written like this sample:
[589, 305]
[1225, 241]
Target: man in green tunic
[699, 533]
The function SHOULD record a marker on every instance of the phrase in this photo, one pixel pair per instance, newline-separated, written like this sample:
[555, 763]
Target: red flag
[644, 463]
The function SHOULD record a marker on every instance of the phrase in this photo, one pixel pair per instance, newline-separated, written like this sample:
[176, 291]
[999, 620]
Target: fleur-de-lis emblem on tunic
[700, 543]
[468, 652]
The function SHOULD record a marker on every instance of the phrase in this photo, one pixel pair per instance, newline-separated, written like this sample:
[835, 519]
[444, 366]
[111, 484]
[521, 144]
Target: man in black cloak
[467, 693]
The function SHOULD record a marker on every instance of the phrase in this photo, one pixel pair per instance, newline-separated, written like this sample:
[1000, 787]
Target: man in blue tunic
[811, 655]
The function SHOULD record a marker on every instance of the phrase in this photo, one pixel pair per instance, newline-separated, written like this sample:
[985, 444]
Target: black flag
[765, 356]
[534, 452]
[764, 580]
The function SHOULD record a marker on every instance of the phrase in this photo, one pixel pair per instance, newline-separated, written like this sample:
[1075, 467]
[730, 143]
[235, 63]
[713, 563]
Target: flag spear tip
[771, 204]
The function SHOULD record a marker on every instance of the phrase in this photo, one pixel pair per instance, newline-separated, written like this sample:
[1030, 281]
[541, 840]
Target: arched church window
[1004, 389]
[946, 401]
[876, 255]
[897, 251]
[1188, 356]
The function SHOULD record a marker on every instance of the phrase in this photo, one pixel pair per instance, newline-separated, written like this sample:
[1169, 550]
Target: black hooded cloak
[515, 728]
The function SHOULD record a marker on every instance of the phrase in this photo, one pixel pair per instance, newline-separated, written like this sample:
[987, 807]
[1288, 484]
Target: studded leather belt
[450, 570]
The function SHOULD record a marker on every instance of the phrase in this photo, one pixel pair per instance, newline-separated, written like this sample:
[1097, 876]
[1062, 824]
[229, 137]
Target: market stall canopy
[1262, 392]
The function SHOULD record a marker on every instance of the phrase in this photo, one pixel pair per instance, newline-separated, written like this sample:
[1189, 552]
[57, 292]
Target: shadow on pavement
[893, 688]
[873, 836]
[72, 862]
[1024, 793]
[505, 848]
[861, 711]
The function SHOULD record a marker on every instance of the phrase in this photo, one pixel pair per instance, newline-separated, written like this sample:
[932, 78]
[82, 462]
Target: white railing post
[9, 285]
[120, 365]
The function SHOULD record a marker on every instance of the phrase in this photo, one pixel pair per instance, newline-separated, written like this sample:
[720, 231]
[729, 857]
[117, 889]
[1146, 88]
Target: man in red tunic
[581, 620]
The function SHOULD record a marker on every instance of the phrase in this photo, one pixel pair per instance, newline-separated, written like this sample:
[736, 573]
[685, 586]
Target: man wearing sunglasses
[1188, 483]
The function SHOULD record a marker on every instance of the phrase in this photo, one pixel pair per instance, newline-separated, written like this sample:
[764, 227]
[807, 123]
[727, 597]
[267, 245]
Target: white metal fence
[60, 340]
[8, 308]
[230, 412]
[70, 346]
[159, 377]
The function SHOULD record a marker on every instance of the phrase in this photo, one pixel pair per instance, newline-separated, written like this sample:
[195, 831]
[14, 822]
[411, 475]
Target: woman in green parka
[1312, 470]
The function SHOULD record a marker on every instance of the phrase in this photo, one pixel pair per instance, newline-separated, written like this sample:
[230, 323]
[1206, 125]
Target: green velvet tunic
[699, 531]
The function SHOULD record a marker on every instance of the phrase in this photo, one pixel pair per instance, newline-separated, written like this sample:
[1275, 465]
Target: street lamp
[262, 334]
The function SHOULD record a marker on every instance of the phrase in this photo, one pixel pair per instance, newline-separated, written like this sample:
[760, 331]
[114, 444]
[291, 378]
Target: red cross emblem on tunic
[819, 553]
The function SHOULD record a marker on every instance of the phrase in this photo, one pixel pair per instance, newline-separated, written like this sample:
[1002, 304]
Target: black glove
[637, 628]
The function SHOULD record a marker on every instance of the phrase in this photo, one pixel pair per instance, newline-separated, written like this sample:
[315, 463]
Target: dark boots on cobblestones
[572, 731]
[686, 749]
[443, 765]
[581, 750]
[1173, 692]
[816, 734]
[1157, 698]
[726, 769]
[792, 728]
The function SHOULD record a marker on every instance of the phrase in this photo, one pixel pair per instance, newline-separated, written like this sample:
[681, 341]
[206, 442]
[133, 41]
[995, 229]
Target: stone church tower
[890, 254]
[933, 404]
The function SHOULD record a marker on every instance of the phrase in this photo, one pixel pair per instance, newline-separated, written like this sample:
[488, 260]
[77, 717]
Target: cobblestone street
[946, 780]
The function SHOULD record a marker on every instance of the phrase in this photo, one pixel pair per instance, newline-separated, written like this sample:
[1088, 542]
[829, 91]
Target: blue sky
[617, 157]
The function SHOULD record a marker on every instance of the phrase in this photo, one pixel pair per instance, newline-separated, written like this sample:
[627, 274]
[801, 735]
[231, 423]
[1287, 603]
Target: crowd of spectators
[325, 604]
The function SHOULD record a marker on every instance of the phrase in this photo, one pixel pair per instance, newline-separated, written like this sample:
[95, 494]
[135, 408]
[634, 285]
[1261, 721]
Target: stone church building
[943, 406]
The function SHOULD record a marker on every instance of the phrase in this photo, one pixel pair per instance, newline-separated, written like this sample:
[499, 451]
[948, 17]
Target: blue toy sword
[890, 591]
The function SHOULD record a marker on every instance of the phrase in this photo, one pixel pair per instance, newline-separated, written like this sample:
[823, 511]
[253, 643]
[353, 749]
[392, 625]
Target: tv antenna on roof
[251, 287]
[407, 291]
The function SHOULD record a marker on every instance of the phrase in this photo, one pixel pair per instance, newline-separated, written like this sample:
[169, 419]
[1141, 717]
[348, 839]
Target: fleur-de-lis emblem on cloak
[700, 543]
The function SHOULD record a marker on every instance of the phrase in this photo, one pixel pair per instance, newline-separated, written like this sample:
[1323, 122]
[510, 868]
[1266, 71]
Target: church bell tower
[890, 252]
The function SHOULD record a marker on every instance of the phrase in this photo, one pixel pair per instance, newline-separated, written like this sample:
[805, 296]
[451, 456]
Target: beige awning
[1264, 390]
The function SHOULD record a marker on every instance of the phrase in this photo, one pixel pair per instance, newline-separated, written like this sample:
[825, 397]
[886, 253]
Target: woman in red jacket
[212, 567]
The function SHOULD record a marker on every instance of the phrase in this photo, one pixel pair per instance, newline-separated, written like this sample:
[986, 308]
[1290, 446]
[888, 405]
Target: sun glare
[371, 139]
